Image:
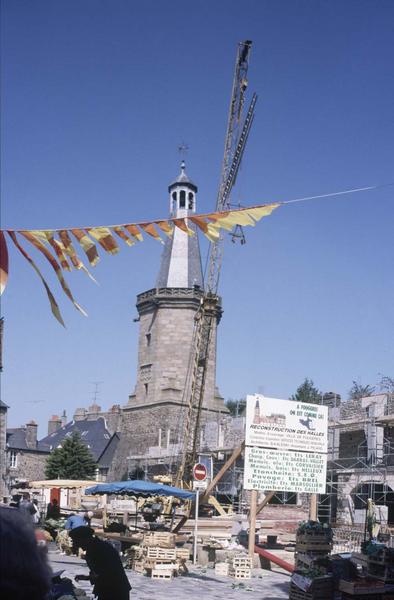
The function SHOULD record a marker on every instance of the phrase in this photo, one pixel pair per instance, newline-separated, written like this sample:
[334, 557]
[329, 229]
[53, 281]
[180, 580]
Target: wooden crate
[297, 594]
[361, 588]
[242, 560]
[182, 553]
[241, 572]
[162, 539]
[222, 569]
[138, 566]
[161, 553]
[162, 575]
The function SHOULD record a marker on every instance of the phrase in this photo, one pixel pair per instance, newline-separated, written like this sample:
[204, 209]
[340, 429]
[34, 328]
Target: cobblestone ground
[264, 585]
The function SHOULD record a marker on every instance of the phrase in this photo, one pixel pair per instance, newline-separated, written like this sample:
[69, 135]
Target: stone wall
[30, 466]
[3, 458]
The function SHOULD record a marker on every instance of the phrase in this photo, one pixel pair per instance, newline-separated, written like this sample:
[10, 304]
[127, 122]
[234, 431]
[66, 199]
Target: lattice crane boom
[209, 311]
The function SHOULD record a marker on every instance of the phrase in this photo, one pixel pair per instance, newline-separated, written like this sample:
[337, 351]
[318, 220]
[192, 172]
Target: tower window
[182, 199]
[148, 338]
[146, 388]
[191, 201]
[173, 201]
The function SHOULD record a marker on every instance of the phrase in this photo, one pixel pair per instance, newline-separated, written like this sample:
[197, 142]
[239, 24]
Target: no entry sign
[199, 472]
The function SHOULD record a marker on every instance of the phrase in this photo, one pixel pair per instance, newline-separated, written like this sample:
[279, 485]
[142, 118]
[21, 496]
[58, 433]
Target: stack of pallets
[381, 565]
[241, 567]
[158, 556]
[309, 581]
[318, 588]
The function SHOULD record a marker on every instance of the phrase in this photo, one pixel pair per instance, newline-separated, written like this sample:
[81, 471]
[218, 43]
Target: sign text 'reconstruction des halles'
[285, 424]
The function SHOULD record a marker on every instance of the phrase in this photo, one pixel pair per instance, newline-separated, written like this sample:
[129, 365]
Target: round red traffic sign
[199, 472]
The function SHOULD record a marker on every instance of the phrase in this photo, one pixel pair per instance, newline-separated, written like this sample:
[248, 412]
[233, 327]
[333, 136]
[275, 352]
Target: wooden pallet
[161, 553]
[297, 594]
[241, 573]
[162, 539]
[242, 560]
[162, 575]
[222, 569]
[138, 566]
[182, 553]
[360, 588]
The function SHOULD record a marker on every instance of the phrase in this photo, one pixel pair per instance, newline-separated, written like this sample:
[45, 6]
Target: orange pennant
[29, 236]
[87, 245]
[134, 231]
[121, 233]
[151, 230]
[181, 223]
[54, 306]
[104, 238]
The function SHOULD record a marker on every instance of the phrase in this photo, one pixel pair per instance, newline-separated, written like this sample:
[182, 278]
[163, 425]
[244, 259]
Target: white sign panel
[286, 470]
[285, 424]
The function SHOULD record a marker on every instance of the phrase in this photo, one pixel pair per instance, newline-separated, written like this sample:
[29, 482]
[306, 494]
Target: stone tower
[153, 415]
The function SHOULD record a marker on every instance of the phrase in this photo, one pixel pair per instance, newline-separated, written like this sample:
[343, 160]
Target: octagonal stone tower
[153, 415]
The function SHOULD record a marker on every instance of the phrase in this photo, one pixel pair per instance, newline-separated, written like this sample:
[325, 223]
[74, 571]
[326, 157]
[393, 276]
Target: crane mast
[210, 310]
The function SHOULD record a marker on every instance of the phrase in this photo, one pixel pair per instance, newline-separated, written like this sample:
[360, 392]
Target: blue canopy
[138, 487]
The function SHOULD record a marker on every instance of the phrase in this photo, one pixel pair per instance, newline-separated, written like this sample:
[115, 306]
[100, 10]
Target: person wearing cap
[106, 570]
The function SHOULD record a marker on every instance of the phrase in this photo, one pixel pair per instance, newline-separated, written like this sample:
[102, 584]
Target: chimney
[331, 399]
[31, 434]
[80, 414]
[54, 424]
[64, 418]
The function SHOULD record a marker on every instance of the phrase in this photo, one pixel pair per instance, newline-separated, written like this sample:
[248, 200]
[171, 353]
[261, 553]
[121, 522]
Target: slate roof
[183, 179]
[106, 458]
[16, 440]
[93, 433]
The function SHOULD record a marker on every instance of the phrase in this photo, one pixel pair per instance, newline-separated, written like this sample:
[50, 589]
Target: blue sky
[97, 95]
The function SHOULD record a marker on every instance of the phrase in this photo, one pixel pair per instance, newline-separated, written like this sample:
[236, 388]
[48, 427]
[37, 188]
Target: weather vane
[183, 149]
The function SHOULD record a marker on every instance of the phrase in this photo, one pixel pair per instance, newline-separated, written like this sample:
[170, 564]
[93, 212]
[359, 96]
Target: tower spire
[181, 261]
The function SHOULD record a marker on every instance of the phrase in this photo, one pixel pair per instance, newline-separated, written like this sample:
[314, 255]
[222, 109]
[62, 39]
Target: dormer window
[182, 199]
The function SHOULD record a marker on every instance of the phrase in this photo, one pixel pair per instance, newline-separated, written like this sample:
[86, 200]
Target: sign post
[195, 529]
[200, 482]
[252, 522]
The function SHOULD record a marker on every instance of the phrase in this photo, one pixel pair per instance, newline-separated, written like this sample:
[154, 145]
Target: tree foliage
[386, 384]
[236, 407]
[308, 393]
[358, 391]
[73, 460]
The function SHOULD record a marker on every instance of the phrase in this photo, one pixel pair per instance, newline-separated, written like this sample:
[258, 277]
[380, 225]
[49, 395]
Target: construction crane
[209, 310]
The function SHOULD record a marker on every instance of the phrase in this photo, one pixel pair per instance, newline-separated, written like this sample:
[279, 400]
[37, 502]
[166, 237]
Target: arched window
[174, 202]
[191, 201]
[182, 199]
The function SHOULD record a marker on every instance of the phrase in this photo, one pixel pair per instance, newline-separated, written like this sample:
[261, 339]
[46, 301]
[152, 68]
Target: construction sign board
[284, 470]
[286, 424]
[286, 445]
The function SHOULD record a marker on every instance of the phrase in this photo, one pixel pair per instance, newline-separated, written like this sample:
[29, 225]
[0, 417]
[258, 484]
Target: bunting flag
[61, 253]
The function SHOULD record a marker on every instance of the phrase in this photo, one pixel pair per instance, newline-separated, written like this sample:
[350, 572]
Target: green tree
[73, 460]
[358, 391]
[308, 393]
[386, 384]
[236, 406]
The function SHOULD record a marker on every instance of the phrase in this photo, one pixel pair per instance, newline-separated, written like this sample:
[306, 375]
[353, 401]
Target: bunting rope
[60, 246]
